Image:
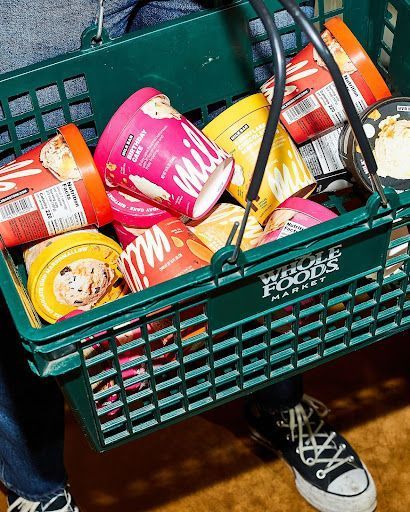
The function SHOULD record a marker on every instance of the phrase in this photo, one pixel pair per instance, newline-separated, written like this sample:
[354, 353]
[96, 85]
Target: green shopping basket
[230, 329]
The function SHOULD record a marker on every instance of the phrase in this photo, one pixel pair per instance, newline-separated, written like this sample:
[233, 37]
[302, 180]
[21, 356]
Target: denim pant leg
[31, 424]
[283, 395]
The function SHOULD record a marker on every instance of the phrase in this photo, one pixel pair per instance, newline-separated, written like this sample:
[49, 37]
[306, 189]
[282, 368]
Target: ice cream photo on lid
[292, 216]
[215, 229]
[73, 271]
[165, 251]
[239, 131]
[387, 126]
[152, 150]
[53, 188]
[311, 104]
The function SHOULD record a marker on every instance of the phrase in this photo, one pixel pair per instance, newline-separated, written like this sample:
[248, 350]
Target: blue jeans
[31, 409]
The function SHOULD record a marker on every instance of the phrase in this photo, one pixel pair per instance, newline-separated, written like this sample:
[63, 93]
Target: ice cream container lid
[359, 57]
[232, 114]
[118, 122]
[32, 251]
[77, 271]
[89, 172]
[315, 210]
[345, 147]
[131, 210]
[387, 126]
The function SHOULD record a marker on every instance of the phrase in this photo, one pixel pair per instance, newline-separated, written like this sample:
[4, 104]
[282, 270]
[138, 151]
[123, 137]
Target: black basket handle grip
[279, 60]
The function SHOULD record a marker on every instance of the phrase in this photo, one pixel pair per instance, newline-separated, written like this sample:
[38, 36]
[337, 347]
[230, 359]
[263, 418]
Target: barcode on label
[17, 208]
[302, 109]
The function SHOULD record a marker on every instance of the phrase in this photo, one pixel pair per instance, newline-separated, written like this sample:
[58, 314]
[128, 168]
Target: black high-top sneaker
[328, 472]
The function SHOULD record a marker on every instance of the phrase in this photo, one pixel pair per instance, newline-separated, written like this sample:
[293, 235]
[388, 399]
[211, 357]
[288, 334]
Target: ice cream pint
[312, 104]
[151, 149]
[53, 188]
[126, 234]
[239, 130]
[132, 211]
[132, 216]
[322, 158]
[387, 126]
[292, 216]
[165, 251]
[75, 271]
[215, 229]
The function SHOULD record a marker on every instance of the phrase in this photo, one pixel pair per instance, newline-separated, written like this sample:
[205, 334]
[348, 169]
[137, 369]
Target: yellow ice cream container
[239, 131]
[215, 229]
[75, 271]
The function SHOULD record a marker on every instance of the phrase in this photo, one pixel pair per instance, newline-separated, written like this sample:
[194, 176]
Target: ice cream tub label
[292, 216]
[387, 126]
[239, 130]
[321, 155]
[132, 211]
[151, 149]
[311, 103]
[51, 189]
[165, 251]
[75, 271]
[216, 228]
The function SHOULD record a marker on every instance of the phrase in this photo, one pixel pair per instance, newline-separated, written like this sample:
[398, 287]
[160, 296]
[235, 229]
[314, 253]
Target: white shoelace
[22, 505]
[310, 448]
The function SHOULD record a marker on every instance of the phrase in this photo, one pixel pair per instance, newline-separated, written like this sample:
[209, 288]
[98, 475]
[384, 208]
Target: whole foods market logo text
[301, 275]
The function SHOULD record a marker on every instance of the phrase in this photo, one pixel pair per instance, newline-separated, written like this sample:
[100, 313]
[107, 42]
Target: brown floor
[207, 464]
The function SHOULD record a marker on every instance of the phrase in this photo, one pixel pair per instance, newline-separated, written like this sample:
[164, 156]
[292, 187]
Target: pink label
[164, 157]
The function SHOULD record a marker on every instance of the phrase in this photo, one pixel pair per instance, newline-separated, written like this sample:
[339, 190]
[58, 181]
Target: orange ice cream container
[165, 251]
[52, 189]
[311, 104]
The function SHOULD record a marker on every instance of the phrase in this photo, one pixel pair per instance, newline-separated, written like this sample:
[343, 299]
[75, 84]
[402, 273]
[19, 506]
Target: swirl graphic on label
[5, 184]
[285, 182]
[206, 156]
[148, 249]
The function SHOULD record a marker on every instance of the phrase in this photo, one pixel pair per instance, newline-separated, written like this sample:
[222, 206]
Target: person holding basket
[328, 473]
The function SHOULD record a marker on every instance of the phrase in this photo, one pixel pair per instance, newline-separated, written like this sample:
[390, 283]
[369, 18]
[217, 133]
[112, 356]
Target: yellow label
[215, 229]
[239, 131]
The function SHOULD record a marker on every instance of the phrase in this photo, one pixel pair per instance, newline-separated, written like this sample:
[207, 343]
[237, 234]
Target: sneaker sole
[321, 500]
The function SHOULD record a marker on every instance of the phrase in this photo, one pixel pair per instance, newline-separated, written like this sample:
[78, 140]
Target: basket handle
[300, 18]
[279, 61]
[100, 23]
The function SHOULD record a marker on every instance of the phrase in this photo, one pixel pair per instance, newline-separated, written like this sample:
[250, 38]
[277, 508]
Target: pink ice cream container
[132, 211]
[294, 215]
[132, 215]
[125, 234]
[152, 150]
